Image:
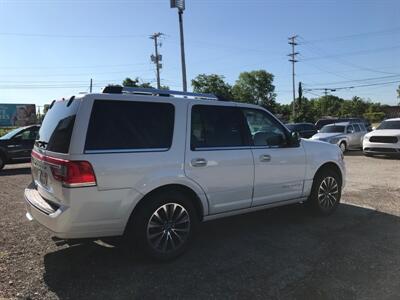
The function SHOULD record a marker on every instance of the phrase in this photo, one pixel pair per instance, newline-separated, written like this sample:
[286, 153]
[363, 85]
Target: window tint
[308, 127]
[362, 127]
[264, 129]
[216, 126]
[56, 130]
[357, 128]
[28, 134]
[128, 125]
[350, 129]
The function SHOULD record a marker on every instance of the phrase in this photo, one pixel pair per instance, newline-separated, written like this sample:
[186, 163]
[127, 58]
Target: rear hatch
[52, 171]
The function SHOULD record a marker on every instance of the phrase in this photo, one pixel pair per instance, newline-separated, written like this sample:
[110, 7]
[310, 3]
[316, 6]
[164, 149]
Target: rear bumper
[79, 220]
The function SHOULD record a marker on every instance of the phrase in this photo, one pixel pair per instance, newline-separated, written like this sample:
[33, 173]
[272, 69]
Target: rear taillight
[72, 173]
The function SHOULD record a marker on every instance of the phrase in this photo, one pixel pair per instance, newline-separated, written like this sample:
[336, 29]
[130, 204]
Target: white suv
[150, 165]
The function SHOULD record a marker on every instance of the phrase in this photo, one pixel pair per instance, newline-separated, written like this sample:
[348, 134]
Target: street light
[180, 5]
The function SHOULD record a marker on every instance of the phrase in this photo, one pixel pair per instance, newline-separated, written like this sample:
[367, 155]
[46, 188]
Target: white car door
[218, 155]
[279, 167]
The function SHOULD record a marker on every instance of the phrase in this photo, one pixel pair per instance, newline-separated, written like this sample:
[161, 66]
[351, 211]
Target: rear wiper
[41, 144]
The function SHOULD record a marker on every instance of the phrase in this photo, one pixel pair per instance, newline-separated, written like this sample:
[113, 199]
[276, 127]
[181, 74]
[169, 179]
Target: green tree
[213, 84]
[128, 82]
[256, 87]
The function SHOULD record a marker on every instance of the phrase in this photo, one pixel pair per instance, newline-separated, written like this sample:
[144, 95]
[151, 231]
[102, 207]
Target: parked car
[322, 122]
[16, 145]
[129, 162]
[345, 135]
[384, 140]
[306, 130]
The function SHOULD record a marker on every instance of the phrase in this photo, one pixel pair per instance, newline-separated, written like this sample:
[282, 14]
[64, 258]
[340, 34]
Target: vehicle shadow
[278, 253]
[354, 153]
[15, 171]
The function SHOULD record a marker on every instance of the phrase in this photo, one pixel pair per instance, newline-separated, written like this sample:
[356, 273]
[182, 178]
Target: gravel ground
[281, 253]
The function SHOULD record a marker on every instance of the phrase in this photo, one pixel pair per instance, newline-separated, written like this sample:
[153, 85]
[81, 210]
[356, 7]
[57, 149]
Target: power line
[333, 89]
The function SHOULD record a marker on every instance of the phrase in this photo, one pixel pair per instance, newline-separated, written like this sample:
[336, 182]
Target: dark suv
[16, 145]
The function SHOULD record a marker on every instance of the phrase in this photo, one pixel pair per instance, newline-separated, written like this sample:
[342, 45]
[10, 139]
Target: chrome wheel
[342, 147]
[168, 227]
[328, 193]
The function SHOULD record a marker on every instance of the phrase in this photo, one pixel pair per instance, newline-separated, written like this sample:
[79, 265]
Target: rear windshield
[128, 125]
[333, 128]
[389, 125]
[56, 130]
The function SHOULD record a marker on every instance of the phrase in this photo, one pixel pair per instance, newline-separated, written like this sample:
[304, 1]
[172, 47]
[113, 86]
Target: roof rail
[115, 89]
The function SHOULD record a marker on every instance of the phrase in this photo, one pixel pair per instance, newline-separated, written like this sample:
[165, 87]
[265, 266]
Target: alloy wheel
[328, 193]
[168, 227]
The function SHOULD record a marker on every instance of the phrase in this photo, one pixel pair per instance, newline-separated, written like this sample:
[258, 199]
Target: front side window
[128, 125]
[216, 127]
[265, 130]
[350, 129]
[27, 135]
[356, 127]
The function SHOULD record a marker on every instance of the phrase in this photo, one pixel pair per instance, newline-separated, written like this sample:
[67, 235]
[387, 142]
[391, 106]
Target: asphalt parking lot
[282, 253]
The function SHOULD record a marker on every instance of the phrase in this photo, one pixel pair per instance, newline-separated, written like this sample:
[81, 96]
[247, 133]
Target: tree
[128, 82]
[213, 84]
[256, 87]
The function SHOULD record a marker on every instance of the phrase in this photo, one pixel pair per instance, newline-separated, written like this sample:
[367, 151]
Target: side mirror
[295, 138]
[374, 128]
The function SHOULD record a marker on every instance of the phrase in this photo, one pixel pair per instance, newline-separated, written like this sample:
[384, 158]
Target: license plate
[43, 178]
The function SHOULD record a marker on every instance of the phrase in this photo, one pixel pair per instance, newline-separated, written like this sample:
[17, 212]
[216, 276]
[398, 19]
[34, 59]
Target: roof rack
[115, 89]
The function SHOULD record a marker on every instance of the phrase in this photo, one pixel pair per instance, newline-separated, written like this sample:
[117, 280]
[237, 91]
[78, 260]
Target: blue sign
[17, 114]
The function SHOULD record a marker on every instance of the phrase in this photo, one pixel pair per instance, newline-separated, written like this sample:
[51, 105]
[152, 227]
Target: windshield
[10, 134]
[389, 125]
[334, 128]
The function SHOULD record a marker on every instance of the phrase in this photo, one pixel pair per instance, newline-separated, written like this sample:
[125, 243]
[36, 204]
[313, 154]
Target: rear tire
[325, 193]
[163, 226]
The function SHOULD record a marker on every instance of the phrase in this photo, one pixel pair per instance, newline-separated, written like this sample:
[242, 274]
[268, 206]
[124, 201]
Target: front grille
[386, 150]
[384, 139]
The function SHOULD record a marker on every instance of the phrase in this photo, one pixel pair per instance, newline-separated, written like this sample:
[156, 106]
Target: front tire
[2, 162]
[343, 147]
[164, 226]
[326, 192]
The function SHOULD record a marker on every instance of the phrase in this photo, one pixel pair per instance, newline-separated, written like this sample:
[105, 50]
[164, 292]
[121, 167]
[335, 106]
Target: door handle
[199, 162]
[265, 157]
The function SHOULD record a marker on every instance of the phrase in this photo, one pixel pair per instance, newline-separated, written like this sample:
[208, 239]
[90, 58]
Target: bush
[374, 117]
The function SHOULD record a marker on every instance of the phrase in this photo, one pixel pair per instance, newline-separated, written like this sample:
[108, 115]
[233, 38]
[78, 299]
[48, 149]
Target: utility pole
[180, 5]
[91, 85]
[157, 57]
[293, 43]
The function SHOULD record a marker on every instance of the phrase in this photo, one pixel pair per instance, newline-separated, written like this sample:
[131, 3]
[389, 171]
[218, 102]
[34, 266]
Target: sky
[52, 48]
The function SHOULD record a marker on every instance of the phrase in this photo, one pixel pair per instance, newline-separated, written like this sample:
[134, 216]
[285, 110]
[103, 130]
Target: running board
[251, 209]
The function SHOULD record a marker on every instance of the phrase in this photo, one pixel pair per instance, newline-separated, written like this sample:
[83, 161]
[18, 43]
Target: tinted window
[357, 128]
[126, 125]
[332, 128]
[56, 130]
[362, 127]
[350, 129]
[264, 129]
[217, 126]
[309, 127]
[28, 134]
[389, 125]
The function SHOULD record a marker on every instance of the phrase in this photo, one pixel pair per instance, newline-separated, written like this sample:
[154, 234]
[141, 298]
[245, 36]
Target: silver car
[346, 135]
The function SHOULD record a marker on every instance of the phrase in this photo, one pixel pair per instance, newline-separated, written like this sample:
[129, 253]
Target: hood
[321, 135]
[384, 132]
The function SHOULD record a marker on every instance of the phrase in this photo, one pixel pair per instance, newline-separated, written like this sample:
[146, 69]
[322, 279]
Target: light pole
[180, 5]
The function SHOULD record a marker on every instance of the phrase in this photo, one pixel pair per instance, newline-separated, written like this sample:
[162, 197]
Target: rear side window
[56, 130]
[128, 125]
[217, 126]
